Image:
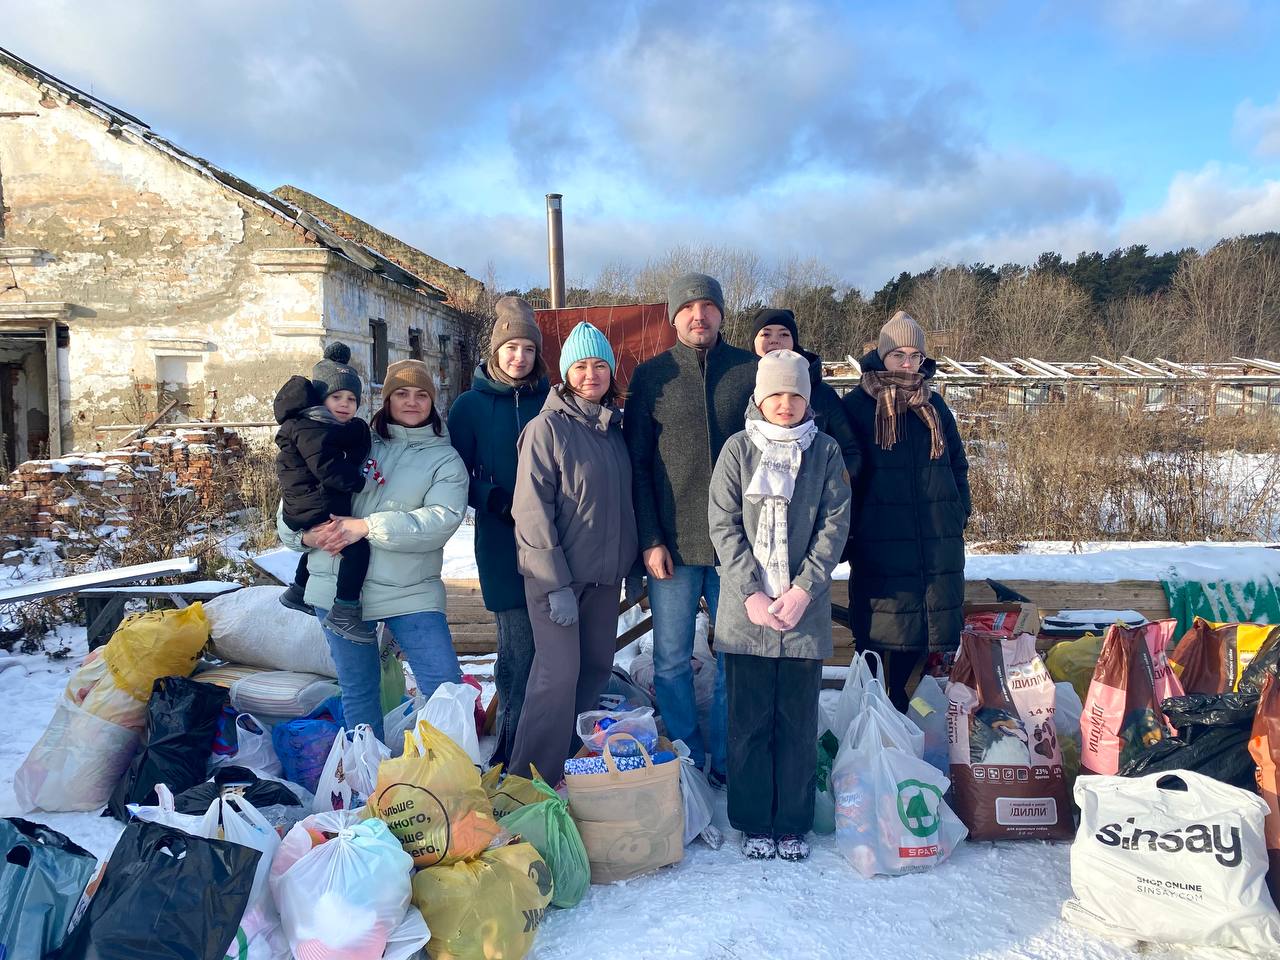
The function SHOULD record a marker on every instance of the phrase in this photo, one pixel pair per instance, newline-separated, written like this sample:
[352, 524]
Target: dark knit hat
[768, 316]
[901, 331]
[335, 372]
[691, 287]
[513, 319]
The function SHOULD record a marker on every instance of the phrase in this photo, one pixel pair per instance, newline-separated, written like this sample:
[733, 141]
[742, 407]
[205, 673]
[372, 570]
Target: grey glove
[564, 607]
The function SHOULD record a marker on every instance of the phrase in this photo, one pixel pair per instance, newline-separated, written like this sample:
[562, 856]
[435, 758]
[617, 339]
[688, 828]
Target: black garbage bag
[42, 877]
[1266, 660]
[165, 895]
[261, 793]
[182, 716]
[1213, 739]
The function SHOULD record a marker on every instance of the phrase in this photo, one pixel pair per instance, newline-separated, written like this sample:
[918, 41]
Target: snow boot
[793, 847]
[758, 846]
[718, 780]
[344, 620]
[292, 598]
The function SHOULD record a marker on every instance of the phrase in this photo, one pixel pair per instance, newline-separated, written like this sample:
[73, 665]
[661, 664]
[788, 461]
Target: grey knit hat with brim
[690, 287]
[335, 372]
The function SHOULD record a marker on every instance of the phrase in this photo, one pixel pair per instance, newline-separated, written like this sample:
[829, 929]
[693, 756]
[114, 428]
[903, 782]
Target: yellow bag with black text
[509, 793]
[432, 800]
[487, 907]
[158, 643]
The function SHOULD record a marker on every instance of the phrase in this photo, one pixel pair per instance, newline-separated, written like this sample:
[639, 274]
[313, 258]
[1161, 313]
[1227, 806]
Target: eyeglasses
[902, 356]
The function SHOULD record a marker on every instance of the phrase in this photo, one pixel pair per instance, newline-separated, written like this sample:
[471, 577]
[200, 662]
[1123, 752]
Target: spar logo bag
[1006, 765]
[1172, 858]
[1122, 715]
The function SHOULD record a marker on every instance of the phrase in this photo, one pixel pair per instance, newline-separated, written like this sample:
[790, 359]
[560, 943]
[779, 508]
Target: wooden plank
[102, 578]
[1119, 369]
[1179, 368]
[1050, 596]
[1002, 368]
[1154, 371]
[1262, 364]
[198, 591]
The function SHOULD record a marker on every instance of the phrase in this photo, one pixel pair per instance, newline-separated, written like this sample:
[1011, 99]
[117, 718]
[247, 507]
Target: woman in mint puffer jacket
[407, 520]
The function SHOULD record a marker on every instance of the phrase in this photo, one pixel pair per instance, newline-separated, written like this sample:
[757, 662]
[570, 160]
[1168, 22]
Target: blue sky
[874, 137]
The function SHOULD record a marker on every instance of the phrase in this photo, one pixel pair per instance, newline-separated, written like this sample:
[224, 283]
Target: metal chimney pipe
[555, 249]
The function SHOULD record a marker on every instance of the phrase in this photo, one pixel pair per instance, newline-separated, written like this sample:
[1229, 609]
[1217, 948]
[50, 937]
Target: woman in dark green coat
[507, 391]
[910, 507]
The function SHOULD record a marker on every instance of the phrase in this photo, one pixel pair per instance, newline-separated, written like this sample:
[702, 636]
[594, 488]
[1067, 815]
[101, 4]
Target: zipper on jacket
[915, 507]
[706, 407]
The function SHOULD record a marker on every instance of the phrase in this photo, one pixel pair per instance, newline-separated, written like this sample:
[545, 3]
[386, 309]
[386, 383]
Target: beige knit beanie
[782, 371]
[900, 331]
[408, 373]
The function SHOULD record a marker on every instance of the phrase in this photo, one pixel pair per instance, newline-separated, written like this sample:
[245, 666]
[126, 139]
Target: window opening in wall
[181, 378]
[415, 344]
[378, 350]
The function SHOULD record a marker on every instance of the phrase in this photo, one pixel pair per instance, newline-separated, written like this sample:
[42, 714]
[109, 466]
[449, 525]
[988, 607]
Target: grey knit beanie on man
[335, 372]
[901, 331]
[513, 320]
[690, 287]
[782, 371]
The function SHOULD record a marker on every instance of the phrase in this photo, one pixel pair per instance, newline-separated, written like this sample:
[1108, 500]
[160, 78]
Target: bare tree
[948, 303]
[1139, 326]
[1039, 313]
[1229, 300]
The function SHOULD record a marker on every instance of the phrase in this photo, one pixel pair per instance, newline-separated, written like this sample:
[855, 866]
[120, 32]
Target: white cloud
[1205, 206]
[1258, 127]
[1194, 21]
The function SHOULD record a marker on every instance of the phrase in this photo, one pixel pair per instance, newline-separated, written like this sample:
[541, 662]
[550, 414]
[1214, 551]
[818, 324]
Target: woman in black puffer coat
[910, 507]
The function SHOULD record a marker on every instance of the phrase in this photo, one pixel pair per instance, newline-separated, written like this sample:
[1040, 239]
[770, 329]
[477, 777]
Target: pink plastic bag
[1122, 715]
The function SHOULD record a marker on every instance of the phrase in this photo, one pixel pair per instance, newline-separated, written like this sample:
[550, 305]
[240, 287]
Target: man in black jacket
[683, 405]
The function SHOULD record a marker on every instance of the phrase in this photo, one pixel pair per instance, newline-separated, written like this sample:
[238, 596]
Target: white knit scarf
[771, 486]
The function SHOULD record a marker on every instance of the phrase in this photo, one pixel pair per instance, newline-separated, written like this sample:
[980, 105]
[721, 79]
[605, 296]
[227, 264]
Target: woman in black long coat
[910, 507]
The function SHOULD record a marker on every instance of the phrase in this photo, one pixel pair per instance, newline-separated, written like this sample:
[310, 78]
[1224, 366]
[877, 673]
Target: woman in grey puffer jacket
[575, 541]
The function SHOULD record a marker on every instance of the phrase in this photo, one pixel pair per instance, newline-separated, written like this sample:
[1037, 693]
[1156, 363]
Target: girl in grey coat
[779, 515]
[575, 541]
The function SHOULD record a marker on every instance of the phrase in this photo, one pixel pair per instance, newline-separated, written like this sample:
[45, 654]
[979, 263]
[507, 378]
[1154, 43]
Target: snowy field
[989, 901]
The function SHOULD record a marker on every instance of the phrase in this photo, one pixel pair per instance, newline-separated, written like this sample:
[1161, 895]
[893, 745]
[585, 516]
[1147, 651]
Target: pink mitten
[790, 607]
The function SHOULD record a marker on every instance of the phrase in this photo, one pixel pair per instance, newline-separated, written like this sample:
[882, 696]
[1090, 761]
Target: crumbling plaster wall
[156, 257]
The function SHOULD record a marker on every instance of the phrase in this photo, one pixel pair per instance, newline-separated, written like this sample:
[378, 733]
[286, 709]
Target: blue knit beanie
[584, 342]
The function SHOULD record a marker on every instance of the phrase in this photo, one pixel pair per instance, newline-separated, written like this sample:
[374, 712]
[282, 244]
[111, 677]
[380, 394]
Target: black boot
[344, 620]
[293, 599]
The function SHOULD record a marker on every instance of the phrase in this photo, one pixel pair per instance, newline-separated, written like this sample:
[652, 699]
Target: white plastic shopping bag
[253, 749]
[890, 815]
[1172, 858]
[399, 721]
[452, 711]
[198, 825]
[858, 682]
[699, 799]
[351, 771]
[346, 895]
[243, 824]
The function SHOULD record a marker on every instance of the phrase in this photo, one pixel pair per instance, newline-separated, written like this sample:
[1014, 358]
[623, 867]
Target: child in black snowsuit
[323, 461]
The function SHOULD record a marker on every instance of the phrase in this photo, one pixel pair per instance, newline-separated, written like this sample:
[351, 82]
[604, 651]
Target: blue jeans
[427, 645]
[674, 604]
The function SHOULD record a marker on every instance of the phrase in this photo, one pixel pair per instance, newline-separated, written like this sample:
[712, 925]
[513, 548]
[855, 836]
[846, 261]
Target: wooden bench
[104, 607]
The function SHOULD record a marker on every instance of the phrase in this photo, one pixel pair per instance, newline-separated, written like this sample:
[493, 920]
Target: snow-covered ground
[988, 901]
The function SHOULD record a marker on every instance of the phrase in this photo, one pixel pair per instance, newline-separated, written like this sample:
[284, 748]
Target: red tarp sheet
[636, 332]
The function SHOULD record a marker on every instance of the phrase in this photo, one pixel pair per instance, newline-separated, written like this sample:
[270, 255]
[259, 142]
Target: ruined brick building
[132, 272]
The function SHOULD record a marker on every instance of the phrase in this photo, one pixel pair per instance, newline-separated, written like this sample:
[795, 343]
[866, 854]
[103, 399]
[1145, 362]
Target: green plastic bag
[551, 831]
[392, 692]
[42, 876]
[824, 804]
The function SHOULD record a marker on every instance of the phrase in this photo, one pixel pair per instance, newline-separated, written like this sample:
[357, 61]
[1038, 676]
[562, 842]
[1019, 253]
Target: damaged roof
[126, 126]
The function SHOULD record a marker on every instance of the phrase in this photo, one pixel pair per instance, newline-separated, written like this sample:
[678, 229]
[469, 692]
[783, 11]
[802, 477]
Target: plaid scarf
[896, 391]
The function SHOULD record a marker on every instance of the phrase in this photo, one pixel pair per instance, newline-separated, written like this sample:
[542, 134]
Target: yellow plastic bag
[487, 907]
[511, 794]
[1072, 661]
[158, 643]
[433, 801]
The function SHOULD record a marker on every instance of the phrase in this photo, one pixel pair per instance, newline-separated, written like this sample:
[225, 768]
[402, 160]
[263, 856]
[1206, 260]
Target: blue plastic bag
[303, 745]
